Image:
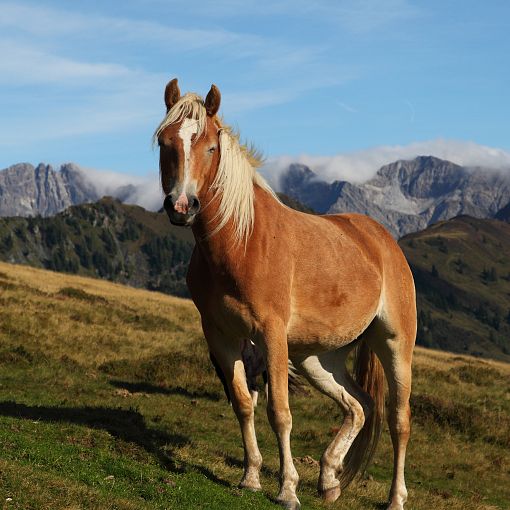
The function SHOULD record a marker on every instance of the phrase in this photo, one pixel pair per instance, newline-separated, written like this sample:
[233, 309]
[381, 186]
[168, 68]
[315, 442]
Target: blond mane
[233, 184]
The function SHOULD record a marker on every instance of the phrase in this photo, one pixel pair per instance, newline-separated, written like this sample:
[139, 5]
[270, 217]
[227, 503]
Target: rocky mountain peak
[297, 176]
[422, 177]
[407, 195]
[301, 183]
[26, 190]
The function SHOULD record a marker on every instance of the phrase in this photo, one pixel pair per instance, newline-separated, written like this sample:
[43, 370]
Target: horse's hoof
[293, 504]
[331, 495]
[397, 502]
[250, 486]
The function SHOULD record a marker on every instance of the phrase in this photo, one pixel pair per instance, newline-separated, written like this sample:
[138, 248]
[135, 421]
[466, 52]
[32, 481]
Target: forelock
[189, 106]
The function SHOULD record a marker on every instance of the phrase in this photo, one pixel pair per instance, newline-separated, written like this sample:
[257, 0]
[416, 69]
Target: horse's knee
[358, 413]
[401, 419]
[243, 406]
[280, 418]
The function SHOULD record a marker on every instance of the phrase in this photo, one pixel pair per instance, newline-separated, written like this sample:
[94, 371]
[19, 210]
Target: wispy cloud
[28, 65]
[346, 107]
[367, 15]
[357, 16]
[113, 93]
[255, 99]
[53, 23]
[46, 22]
[412, 111]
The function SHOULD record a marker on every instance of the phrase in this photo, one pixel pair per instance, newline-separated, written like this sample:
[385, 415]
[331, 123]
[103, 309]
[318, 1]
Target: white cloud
[360, 166]
[146, 191]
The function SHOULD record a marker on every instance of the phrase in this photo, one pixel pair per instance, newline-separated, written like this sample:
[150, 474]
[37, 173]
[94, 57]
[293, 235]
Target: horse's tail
[369, 374]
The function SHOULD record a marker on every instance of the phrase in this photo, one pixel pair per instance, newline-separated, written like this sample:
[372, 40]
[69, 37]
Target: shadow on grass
[124, 424]
[130, 426]
[143, 387]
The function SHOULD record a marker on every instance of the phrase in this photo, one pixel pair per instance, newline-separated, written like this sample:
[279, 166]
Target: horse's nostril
[194, 204]
[167, 203]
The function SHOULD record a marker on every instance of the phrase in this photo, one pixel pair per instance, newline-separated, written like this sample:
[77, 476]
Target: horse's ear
[212, 101]
[172, 94]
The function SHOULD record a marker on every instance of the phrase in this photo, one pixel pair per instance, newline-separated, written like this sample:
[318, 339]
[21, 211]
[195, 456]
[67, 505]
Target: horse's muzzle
[183, 219]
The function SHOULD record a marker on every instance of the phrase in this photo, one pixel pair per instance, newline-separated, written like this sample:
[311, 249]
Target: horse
[301, 287]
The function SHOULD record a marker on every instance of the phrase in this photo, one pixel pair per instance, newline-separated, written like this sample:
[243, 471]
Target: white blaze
[189, 127]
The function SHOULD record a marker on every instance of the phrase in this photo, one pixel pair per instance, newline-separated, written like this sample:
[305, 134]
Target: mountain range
[26, 190]
[405, 196]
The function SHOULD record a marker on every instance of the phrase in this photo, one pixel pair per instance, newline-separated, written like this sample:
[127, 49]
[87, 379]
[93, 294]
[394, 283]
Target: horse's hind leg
[395, 354]
[328, 374]
[228, 357]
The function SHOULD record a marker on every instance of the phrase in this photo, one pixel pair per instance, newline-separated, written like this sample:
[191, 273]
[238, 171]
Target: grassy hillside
[108, 401]
[462, 273]
[107, 239]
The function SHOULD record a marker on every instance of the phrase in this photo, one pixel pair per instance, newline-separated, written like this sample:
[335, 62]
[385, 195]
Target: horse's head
[188, 140]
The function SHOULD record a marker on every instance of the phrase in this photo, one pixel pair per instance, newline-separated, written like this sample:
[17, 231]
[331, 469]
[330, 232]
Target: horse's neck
[220, 248]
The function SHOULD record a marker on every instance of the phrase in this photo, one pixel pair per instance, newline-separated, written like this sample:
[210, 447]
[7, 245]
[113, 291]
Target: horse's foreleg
[244, 409]
[228, 356]
[279, 415]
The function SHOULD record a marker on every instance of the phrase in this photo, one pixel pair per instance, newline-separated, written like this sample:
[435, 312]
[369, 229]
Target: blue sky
[83, 81]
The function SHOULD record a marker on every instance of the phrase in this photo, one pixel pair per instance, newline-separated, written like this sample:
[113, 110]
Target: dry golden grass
[98, 321]
[444, 361]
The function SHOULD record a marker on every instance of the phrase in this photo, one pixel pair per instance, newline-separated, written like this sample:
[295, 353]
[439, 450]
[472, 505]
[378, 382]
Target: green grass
[108, 401]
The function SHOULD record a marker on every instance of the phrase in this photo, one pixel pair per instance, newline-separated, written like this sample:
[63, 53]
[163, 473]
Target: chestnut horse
[301, 287]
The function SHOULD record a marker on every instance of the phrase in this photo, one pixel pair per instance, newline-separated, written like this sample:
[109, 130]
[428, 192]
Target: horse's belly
[313, 338]
[312, 331]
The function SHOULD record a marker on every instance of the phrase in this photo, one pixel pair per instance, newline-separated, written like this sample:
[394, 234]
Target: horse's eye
[212, 149]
